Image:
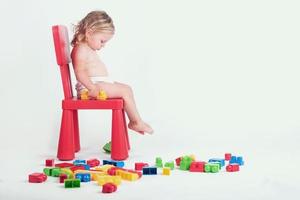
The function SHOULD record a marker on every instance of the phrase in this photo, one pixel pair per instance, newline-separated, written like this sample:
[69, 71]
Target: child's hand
[93, 93]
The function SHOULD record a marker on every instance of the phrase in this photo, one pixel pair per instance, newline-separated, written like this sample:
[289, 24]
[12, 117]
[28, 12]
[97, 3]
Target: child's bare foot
[140, 127]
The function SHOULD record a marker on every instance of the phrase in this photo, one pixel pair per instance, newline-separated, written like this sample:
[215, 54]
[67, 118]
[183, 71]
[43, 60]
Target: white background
[209, 76]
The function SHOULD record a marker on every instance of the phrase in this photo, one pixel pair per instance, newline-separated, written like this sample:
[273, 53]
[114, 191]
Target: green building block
[47, 171]
[158, 162]
[211, 167]
[185, 163]
[72, 183]
[217, 163]
[55, 172]
[107, 147]
[170, 165]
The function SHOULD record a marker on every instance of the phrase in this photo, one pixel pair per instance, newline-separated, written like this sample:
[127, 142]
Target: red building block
[37, 178]
[178, 160]
[49, 162]
[109, 188]
[233, 168]
[139, 166]
[80, 167]
[93, 162]
[227, 156]
[197, 166]
[62, 178]
[63, 165]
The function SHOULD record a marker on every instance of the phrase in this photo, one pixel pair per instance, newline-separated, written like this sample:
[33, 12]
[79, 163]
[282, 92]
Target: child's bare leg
[121, 90]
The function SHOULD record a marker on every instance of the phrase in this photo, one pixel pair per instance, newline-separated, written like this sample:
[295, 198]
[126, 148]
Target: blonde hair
[96, 21]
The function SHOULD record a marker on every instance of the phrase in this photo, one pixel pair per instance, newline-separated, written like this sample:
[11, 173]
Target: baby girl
[91, 34]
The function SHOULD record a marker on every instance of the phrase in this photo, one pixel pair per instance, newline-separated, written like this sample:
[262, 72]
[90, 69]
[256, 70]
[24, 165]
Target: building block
[72, 183]
[102, 95]
[227, 156]
[47, 171]
[49, 162]
[78, 167]
[79, 162]
[109, 188]
[113, 171]
[62, 178]
[103, 167]
[170, 164]
[37, 178]
[158, 162]
[96, 174]
[197, 166]
[193, 157]
[166, 171]
[233, 160]
[211, 167]
[93, 162]
[83, 177]
[178, 160]
[107, 147]
[185, 163]
[139, 166]
[220, 160]
[236, 159]
[84, 95]
[64, 165]
[217, 163]
[68, 172]
[233, 168]
[149, 171]
[108, 179]
[85, 166]
[239, 160]
[126, 175]
[55, 172]
[115, 163]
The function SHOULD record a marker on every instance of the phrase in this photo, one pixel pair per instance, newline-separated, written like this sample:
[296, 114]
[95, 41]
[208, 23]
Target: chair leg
[126, 131]
[66, 149]
[119, 149]
[76, 131]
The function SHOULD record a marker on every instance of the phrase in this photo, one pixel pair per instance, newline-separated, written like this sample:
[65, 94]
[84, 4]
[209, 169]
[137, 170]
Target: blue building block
[86, 167]
[233, 160]
[220, 160]
[113, 162]
[83, 177]
[79, 162]
[240, 160]
[149, 171]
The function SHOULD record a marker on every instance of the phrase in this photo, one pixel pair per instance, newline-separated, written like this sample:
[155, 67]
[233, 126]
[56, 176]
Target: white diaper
[79, 86]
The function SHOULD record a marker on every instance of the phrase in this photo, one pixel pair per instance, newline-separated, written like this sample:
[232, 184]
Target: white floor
[270, 171]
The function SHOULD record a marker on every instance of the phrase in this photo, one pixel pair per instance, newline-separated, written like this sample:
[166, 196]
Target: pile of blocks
[111, 173]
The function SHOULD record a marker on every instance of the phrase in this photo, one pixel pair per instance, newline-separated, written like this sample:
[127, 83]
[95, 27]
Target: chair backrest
[62, 51]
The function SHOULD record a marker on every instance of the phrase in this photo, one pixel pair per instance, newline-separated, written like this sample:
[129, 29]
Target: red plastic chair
[69, 141]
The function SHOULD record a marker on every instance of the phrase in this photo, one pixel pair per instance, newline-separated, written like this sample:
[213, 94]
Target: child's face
[97, 40]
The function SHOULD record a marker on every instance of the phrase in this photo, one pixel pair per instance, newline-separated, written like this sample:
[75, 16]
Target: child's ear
[88, 33]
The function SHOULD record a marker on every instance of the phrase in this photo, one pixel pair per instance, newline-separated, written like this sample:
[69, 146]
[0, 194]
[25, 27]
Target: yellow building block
[96, 174]
[193, 157]
[84, 94]
[109, 179]
[102, 95]
[128, 176]
[103, 168]
[166, 171]
[68, 172]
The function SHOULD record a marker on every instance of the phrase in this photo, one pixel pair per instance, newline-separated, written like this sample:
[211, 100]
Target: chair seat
[76, 104]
